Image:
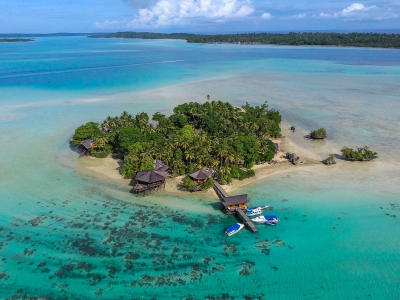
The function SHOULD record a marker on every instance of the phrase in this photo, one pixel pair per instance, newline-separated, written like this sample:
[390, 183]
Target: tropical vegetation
[225, 139]
[355, 39]
[318, 134]
[361, 154]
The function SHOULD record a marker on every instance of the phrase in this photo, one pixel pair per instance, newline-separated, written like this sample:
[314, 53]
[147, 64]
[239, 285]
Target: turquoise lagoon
[67, 235]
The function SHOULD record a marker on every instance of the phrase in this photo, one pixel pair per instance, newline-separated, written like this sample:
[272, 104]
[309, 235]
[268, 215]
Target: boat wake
[27, 74]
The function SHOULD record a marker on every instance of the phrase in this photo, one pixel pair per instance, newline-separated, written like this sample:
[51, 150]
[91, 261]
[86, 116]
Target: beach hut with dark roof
[200, 175]
[150, 180]
[235, 202]
[159, 165]
[86, 146]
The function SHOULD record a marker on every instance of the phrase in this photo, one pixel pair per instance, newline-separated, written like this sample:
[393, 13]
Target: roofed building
[233, 203]
[86, 146]
[159, 165]
[200, 175]
[150, 180]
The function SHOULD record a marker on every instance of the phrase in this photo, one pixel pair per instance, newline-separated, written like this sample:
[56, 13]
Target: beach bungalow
[86, 146]
[159, 165]
[234, 203]
[150, 180]
[200, 175]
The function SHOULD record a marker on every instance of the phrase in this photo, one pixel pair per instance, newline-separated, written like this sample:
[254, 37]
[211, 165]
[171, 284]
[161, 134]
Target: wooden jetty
[220, 191]
[247, 221]
[235, 204]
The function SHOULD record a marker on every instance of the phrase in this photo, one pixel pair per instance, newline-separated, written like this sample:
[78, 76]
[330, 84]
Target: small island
[16, 40]
[202, 141]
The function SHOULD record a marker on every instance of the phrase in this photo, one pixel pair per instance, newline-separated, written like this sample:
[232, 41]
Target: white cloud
[299, 16]
[358, 11]
[181, 12]
[353, 7]
[266, 16]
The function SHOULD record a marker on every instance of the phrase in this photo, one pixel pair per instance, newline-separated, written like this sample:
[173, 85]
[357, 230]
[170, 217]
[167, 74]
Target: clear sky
[49, 16]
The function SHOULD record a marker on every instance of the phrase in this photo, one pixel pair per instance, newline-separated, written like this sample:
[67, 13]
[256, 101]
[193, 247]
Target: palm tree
[189, 155]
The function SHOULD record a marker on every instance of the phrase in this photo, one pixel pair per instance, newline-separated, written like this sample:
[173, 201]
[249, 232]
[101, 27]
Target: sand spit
[108, 169]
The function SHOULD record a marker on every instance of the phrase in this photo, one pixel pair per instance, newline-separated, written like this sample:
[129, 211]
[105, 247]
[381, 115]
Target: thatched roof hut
[159, 165]
[200, 175]
[235, 200]
[151, 176]
[87, 144]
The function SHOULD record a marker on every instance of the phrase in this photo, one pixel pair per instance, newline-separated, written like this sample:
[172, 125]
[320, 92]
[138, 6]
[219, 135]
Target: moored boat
[269, 220]
[233, 229]
[254, 212]
[258, 207]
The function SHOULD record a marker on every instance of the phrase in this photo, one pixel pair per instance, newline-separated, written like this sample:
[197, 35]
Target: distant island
[16, 40]
[216, 137]
[376, 40]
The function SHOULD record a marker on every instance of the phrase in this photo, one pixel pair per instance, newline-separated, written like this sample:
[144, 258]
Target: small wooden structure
[159, 165]
[170, 136]
[235, 203]
[276, 148]
[86, 147]
[200, 175]
[150, 180]
[247, 221]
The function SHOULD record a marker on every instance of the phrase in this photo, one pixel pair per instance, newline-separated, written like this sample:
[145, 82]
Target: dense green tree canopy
[318, 134]
[355, 39]
[215, 135]
[361, 154]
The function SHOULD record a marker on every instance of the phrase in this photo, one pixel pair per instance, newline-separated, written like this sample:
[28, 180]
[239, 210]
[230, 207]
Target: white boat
[258, 207]
[269, 220]
[254, 212]
[233, 229]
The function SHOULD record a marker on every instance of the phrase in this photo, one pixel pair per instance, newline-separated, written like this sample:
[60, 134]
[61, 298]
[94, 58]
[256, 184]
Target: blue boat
[254, 212]
[233, 229]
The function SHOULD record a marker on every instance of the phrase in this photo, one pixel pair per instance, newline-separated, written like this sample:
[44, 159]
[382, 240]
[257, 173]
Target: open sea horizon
[67, 235]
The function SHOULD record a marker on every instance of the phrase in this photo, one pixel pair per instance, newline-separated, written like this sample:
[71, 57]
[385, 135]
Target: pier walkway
[220, 191]
[247, 221]
[240, 199]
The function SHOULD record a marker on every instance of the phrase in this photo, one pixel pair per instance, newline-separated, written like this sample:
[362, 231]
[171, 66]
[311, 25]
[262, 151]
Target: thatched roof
[235, 200]
[153, 123]
[87, 144]
[200, 174]
[159, 165]
[151, 176]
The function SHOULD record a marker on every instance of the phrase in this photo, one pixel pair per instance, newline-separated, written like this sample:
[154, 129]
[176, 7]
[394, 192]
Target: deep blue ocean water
[67, 235]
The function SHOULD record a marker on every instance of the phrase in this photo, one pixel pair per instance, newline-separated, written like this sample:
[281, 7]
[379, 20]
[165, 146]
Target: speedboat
[258, 207]
[254, 212]
[269, 220]
[233, 229]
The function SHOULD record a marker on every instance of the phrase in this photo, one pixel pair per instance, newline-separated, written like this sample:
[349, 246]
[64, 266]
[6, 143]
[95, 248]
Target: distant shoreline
[367, 40]
[16, 40]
